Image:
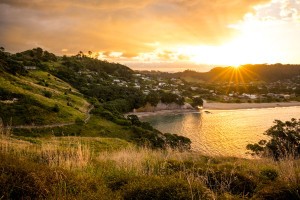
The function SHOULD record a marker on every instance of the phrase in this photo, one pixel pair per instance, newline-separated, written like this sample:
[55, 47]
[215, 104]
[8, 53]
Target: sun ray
[226, 71]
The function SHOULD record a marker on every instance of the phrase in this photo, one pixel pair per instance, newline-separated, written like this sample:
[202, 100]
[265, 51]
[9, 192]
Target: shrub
[107, 115]
[279, 192]
[79, 121]
[69, 104]
[230, 181]
[176, 141]
[122, 122]
[269, 174]
[171, 188]
[134, 120]
[56, 108]
[48, 94]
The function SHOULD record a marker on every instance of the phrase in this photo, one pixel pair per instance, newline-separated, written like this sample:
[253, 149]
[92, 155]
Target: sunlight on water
[223, 132]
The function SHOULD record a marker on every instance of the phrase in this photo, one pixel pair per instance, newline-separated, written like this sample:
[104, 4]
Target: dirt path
[87, 118]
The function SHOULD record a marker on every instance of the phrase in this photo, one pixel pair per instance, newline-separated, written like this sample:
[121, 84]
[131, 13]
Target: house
[146, 92]
[285, 96]
[30, 67]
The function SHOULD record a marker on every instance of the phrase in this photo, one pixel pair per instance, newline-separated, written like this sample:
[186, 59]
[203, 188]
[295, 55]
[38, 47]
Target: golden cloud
[127, 26]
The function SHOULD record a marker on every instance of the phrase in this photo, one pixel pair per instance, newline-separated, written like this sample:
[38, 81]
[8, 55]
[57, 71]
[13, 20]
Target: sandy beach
[218, 106]
[161, 112]
[233, 106]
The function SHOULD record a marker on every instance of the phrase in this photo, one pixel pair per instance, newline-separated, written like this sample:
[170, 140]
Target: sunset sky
[213, 32]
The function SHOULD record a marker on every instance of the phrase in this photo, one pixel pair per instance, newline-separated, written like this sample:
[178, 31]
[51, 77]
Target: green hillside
[42, 94]
[39, 98]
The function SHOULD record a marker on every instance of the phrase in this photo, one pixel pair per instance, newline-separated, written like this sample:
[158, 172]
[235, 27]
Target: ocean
[223, 132]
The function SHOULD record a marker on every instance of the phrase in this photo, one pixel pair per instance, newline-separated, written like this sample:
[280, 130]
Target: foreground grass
[102, 168]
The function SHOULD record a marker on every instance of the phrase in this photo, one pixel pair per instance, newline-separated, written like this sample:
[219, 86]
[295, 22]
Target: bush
[279, 192]
[134, 120]
[48, 94]
[56, 108]
[122, 122]
[79, 121]
[176, 141]
[229, 181]
[171, 188]
[269, 174]
[107, 115]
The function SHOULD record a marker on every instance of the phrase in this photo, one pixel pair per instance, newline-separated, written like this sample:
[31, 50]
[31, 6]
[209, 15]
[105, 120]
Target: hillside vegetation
[92, 151]
[89, 168]
[42, 94]
[39, 98]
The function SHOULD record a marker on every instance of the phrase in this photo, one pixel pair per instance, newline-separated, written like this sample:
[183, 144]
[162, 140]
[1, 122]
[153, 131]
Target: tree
[80, 54]
[134, 120]
[38, 52]
[171, 98]
[284, 141]
[153, 98]
[90, 53]
[197, 102]
[15, 67]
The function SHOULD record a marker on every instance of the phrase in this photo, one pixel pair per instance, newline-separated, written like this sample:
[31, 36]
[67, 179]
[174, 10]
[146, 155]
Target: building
[30, 67]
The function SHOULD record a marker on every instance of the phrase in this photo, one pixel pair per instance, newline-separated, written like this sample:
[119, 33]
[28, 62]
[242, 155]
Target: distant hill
[245, 73]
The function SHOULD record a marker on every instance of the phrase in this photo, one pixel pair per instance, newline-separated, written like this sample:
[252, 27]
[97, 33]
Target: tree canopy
[284, 141]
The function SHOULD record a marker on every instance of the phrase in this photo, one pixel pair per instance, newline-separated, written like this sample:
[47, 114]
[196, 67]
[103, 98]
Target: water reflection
[223, 132]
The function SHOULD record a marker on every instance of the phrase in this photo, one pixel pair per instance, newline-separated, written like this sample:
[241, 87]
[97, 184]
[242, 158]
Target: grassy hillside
[48, 95]
[32, 99]
[89, 168]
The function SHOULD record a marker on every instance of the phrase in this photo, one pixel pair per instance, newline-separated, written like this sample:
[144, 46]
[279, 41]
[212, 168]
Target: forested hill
[259, 72]
[42, 94]
[39, 81]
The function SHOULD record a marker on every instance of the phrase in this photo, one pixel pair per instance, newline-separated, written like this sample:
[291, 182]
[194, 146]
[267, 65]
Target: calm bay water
[223, 132]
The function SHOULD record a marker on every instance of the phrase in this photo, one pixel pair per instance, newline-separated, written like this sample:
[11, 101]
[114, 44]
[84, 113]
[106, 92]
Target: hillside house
[30, 67]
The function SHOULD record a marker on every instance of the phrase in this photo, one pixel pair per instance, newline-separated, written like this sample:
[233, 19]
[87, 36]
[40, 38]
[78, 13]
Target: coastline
[218, 106]
[161, 112]
[235, 106]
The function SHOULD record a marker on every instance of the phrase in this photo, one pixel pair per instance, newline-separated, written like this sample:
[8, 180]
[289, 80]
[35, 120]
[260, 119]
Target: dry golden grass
[221, 177]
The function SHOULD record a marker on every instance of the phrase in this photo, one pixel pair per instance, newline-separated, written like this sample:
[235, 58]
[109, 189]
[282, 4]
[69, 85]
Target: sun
[213, 55]
[252, 45]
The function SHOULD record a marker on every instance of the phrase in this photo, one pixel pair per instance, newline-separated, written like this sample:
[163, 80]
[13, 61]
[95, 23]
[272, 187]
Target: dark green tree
[284, 141]
[134, 120]
[197, 102]
[152, 98]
